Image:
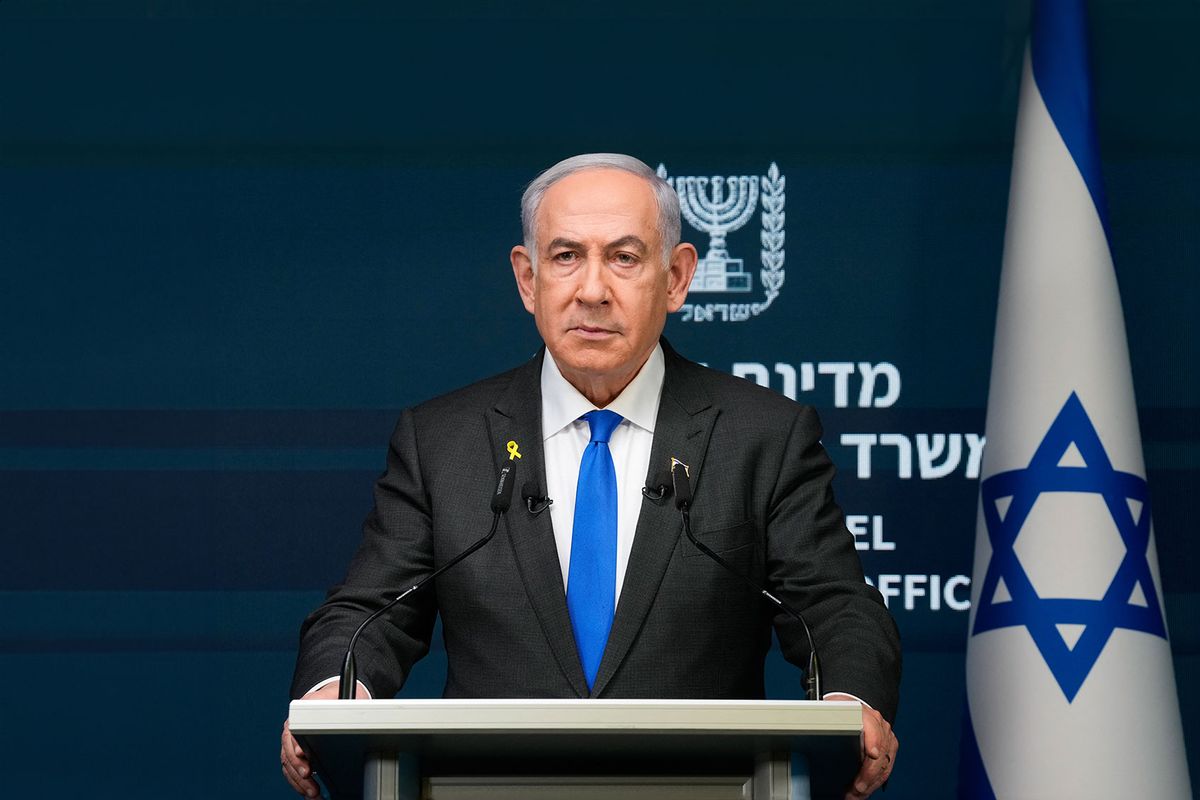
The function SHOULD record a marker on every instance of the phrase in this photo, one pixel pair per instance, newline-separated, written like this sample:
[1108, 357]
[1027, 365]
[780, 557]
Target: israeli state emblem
[720, 205]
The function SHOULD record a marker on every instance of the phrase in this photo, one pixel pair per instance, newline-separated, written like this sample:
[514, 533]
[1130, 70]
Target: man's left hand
[879, 747]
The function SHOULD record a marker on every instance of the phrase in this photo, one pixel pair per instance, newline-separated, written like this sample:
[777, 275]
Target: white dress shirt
[566, 436]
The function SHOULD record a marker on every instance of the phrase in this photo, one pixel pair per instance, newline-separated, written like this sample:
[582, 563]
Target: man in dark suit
[602, 596]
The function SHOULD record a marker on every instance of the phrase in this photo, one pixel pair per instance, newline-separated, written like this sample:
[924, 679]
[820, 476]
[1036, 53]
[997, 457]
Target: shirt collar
[562, 403]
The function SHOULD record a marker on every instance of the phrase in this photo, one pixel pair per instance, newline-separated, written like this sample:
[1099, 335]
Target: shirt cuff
[828, 695]
[335, 679]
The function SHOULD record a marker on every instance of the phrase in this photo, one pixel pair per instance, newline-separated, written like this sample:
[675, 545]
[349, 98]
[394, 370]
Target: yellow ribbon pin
[513, 453]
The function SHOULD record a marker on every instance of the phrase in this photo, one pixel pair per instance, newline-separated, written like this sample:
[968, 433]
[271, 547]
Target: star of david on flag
[1070, 632]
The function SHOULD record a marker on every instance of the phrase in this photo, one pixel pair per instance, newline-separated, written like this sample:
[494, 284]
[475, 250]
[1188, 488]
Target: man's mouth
[592, 331]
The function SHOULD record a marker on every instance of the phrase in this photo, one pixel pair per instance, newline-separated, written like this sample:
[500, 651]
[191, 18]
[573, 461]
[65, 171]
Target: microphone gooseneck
[502, 496]
[501, 501]
[683, 501]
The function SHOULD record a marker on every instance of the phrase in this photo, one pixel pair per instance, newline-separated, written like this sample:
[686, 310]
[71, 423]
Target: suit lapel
[682, 430]
[517, 418]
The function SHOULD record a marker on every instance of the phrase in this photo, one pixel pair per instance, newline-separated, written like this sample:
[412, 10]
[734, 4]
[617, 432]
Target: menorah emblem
[719, 205]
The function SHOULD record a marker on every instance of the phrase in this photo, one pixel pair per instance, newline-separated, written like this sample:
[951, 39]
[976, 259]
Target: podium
[580, 749]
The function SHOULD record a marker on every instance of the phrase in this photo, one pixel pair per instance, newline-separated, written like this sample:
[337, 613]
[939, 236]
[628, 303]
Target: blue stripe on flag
[1059, 52]
[973, 783]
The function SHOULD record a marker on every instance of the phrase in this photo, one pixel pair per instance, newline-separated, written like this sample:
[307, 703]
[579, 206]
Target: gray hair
[664, 195]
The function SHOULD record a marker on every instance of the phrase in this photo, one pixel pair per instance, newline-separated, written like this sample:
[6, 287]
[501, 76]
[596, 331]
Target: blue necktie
[592, 576]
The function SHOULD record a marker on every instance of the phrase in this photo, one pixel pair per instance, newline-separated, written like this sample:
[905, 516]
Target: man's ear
[523, 272]
[679, 275]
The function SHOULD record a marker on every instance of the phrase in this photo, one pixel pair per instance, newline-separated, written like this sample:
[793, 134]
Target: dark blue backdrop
[235, 240]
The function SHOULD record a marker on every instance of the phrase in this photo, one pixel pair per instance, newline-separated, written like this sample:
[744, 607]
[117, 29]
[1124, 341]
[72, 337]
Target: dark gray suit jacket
[683, 626]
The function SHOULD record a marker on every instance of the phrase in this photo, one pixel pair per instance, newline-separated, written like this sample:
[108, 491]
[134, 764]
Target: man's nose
[593, 283]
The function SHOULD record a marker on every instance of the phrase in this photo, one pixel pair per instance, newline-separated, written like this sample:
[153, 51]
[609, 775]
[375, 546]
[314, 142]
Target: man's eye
[565, 257]
[625, 259]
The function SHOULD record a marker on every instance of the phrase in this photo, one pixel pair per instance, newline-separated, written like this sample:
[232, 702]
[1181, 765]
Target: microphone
[658, 489]
[501, 500]
[683, 502]
[502, 497]
[535, 502]
[683, 488]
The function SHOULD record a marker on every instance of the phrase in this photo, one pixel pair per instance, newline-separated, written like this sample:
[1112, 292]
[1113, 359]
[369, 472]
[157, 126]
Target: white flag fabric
[1070, 685]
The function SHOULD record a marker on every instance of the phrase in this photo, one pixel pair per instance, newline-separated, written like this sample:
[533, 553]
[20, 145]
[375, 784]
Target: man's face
[601, 295]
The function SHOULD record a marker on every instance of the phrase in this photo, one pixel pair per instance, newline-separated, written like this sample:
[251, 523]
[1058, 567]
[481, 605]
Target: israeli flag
[1070, 685]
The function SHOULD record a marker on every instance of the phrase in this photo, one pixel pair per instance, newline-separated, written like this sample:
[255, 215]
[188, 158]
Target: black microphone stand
[500, 503]
[683, 501]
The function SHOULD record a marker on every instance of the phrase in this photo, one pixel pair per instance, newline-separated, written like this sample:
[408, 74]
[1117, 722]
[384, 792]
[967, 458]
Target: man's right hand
[293, 759]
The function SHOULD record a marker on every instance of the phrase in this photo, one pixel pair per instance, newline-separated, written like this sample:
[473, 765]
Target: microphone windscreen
[502, 497]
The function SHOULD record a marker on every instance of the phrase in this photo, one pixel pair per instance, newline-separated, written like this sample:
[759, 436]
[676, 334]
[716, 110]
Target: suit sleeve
[396, 551]
[811, 561]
